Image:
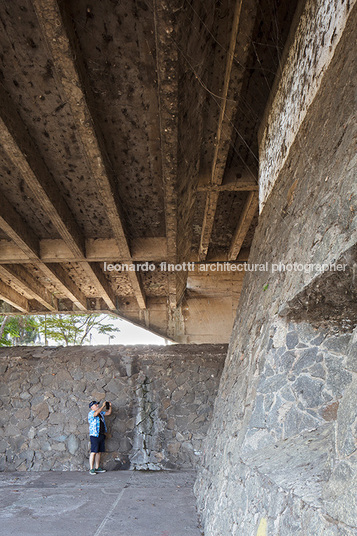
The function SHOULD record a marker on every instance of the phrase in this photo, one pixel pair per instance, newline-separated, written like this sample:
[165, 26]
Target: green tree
[63, 329]
[18, 330]
[73, 329]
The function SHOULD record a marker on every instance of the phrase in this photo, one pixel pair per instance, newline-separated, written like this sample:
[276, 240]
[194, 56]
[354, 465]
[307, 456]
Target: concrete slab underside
[129, 503]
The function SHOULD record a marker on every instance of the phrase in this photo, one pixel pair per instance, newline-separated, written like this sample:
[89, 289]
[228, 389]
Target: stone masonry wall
[281, 452]
[162, 401]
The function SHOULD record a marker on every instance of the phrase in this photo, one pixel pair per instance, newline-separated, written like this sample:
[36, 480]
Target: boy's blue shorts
[97, 444]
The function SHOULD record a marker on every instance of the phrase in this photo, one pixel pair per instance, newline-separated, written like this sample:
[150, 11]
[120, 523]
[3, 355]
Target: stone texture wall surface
[292, 459]
[319, 30]
[281, 454]
[162, 401]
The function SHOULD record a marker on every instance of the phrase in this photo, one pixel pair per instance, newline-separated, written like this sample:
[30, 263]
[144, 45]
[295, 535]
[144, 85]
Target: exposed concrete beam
[72, 83]
[16, 229]
[65, 284]
[28, 284]
[246, 186]
[22, 250]
[246, 218]
[97, 276]
[220, 256]
[236, 59]
[11, 253]
[21, 150]
[24, 238]
[207, 224]
[9, 295]
[17, 143]
[149, 249]
[98, 250]
[146, 42]
[166, 61]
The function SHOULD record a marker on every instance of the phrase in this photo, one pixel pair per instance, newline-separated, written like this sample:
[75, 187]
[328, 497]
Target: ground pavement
[117, 503]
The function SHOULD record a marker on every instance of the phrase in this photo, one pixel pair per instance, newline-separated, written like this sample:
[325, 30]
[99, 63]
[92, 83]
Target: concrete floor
[117, 503]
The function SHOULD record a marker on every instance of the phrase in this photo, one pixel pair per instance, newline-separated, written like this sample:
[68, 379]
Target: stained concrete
[129, 503]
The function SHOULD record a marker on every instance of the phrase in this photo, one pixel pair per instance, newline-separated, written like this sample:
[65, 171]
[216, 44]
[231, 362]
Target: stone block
[352, 357]
[337, 377]
[173, 448]
[309, 391]
[115, 387]
[56, 433]
[56, 418]
[72, 444]
[318, 371]
[23, 413]
[258, 418]
[98, 395]
[297, 421]
[40, 411]
[166, 403]
[177, 395]
[339, 493]
[171, 423]
[337, 344]
[76, 373]
[272, 384]
[346, 419]
[292, 339]
[305, 359]
[11, 430]
[287, 394]
[125, 445]
[329, 412]
[23, 425]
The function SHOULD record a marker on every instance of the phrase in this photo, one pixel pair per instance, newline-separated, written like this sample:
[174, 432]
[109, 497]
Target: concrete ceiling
[129, 135]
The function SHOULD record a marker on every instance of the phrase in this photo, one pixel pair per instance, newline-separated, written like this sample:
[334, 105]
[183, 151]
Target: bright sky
[129, 334]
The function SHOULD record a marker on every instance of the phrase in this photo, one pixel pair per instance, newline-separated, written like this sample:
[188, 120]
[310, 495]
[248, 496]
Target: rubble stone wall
[162, 401]
[281, 452]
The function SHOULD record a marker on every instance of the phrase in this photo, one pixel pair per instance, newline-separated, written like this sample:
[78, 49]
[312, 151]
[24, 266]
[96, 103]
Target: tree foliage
[73, 329]
[68, 330]
[18, 330]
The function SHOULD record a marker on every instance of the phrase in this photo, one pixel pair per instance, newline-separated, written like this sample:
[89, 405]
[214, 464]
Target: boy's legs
[91, 459]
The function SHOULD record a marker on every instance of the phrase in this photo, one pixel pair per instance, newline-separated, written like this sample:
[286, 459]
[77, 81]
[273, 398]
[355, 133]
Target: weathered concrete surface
[281, 453]
[125, 126]
[124, 504]
[320, 28]
[162, 401]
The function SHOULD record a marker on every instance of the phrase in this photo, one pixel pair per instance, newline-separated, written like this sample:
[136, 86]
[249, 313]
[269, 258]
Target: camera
[107, 405]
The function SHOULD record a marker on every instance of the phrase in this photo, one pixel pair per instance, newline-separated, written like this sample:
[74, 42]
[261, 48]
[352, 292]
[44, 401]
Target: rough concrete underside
[129, 135]
[125, 503]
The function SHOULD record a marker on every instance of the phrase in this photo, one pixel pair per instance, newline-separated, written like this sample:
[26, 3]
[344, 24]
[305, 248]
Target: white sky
[129, 334]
